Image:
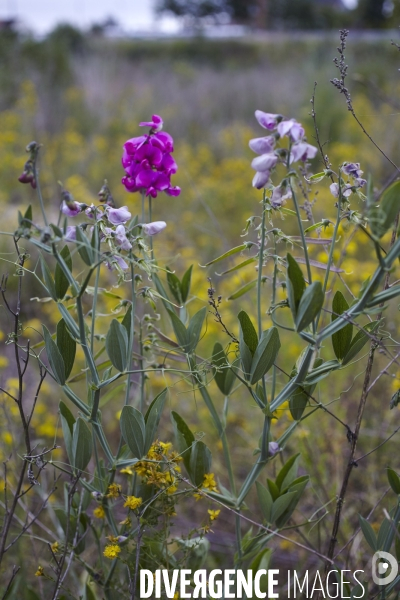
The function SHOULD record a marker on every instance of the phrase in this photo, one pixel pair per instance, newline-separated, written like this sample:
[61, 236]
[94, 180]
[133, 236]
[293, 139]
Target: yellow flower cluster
[114, 491]
[209, 482]
[157, 473]
[213, 514]
[99, 512]
[132, 502]
[112, 551]
[39, 572]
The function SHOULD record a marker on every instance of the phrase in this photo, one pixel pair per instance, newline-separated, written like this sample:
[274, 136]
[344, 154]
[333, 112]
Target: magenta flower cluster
[265, 146]
[148, 161]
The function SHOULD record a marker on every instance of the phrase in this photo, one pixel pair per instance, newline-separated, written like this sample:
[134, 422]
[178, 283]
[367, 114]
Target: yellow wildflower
[209, 482]
[198, 496]
[112, 551]
[114, 490]
[126, 522]
[54, 547]
[127, 471]
[176, 596]
[141, 468]
[213, 514]
[99, 512]
[132, 502]
[39, 572]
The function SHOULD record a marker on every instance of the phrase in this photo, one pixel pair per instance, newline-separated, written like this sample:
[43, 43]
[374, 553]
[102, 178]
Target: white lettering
[200, 581]
[146, 574]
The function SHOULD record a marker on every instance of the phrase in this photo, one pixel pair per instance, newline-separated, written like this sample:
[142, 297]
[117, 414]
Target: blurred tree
[374, 13]
[194, 11]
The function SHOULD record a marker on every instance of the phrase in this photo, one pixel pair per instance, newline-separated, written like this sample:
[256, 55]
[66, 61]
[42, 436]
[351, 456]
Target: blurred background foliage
[82, 96]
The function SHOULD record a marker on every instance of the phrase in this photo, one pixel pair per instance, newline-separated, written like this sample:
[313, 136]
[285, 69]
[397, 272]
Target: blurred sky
[133, 15]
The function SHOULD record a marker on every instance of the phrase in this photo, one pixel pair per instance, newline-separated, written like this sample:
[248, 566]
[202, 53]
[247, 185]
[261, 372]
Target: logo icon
[384, 568]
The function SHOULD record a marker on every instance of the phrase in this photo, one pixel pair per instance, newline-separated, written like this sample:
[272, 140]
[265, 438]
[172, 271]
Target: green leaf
[84, 248]
[185, 284]
[250, 336]
[48, 279]
[384, 530]
[341, 340]
[180, 330]
[54, 356]
[381, 218]
[295, 284]
[88, 594]
[152, 419]
[265, 354]
[310, 304]
[322, 371]
[82, 445]
[184, 438]
[117, 345]
[359, 341]
[298, 402]
[243, 290]
[226, 254]
[261, 562]
[265, 501]
[296, 490]
[174, 285]
[200, 463]
[288, 473]
[69, 321]
[60, 280]
[368, 533]
[133, 430]
[394, 480]
[246, 262]
[280, 505]
[273, 489]
[67, 425]
[223, 374]
[127, 321]
[26, 221]
[194, 329]
[66, 346]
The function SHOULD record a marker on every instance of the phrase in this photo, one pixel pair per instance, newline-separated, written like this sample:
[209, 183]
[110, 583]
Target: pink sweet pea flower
[280, 195]
[70, 234]
[262, 145]
[267, 120]
[72, 208]
[352, 169]
[334, 189]
[120, 262]
[154, 227]
[302, 151]
[265, 162]
[118, 216]
[121, 239]
[291, 128]
[156, 124]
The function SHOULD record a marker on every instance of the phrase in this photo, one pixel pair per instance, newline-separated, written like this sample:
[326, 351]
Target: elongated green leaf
[54, 356]
[265, 354]
[384, 530]
[84, 248]
[384, 296]
[223, 374]
[394, 480]
[152, 418]
[117, 345]
[288, 473]
[310, 305]
[265, 501]
[194, 329]
[185, 284]
[66, 346]
[180, 330]
[175, 286]
[69, 321]
[82, 445]
[368, 533]
[250, 336]
[48, 279]
[67, 424]
[273, 489]
[184, 438]
[322, 371]
[226, 254]
[200, 462]
[243, 290]
[280, 505]
[133, 430]
[297, 491]
[381, 218]
[295, 284]
[61, 281]
[127, 321]
[341, 340]
[246, 262]
[359, 341]
[26, 221]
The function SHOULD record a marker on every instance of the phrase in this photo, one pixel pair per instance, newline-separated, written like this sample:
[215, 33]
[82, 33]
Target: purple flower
[262, 145]
[121, 239]
[118, 216]
[267, 120]
[156, 124]
[154, 227]
[291, 128]
[273, 448]
[352, 169]
[265, 162]
[260, 179]
[302, 151]
[117, 259]
[334, 188]
[70, 234]
[71, 208]
[91, 211]
[280, 195]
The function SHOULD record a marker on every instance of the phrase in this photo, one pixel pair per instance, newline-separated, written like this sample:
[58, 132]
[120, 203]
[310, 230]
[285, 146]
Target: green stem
[39, 191]
[303, 239]
[260, 265]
